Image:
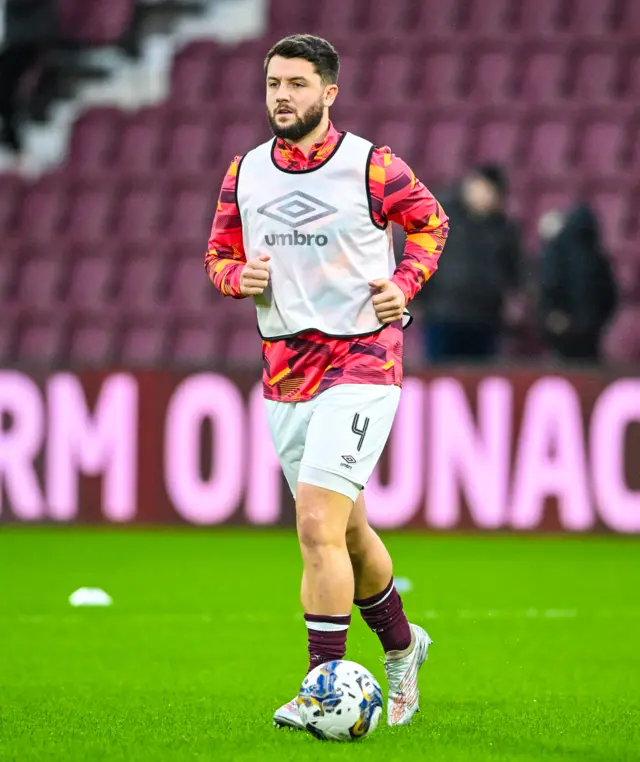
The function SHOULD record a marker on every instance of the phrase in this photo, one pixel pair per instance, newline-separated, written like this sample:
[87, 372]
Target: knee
[319, 522]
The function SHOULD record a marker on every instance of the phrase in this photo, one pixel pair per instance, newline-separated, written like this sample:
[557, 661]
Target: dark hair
[317, 51]
[495, 175]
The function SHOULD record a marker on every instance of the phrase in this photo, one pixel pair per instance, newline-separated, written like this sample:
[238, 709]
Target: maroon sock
[327, 637]
[385, 616]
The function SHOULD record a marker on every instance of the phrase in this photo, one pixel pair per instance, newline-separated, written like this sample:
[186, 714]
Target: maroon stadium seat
[196, 343]
[544, 76]
[601, 148]
[541, 18]
[592, 17]
[193, 76]
[390, 77]
[105, 23]
[440, 77]
[40, 278]
[43, 209]
[596, 77]
[444, 151]
[90, 211]
[433, 19]
[392, 17]
[92, 279]
[622, 343]
[334, 16]
[144, 344]
[488, 17]
[140, 144]
[612, 210]
[141, 285]
[189, 287]
[244, 346]
[92, 340]
[497, 140]
[41, 340]
[243, 81]
[191, 209]
[549, 148]
[492, 78]
[94, 139]
[140, 213]
[190, 147]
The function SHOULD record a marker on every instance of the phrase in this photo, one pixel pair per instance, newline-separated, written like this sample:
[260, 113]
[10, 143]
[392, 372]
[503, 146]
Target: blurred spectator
[464, 302]
[578, 291]
[29, 29]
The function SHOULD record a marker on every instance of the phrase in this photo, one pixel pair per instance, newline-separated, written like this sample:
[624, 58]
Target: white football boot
[288, 716]
[402, 669]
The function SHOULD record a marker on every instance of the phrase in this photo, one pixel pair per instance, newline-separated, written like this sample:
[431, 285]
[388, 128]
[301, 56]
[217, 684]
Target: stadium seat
[191, 209]
[190, 148]
[612, 210]
[592, 17]
[541, 19]
[93, 341]
[622, 342]
[393, 17]
[497, 140]
[141, 284]
[40, 278]
[439, 77]
[143, 344]
[43, 209]
[94, 138]
[601, 148]
[243, 81]
[435, 20]
[596, 77]
[444, 152]
[244, 347]
[140, 143]
[92, 279]
[549, 148]
[196, 343]
[189, 288]
[102, 23]
[334, 16]
[487, 17]
[192, 76]
[544, 75]
[140, 213]
[390, 77]
[41, 340]
[89, 215]
[492, 79]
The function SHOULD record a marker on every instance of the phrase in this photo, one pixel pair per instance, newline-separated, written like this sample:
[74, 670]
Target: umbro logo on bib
[296, 209]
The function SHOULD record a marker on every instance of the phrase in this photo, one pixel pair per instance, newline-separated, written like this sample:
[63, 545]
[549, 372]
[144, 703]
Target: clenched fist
[254, 277]
[388, 300]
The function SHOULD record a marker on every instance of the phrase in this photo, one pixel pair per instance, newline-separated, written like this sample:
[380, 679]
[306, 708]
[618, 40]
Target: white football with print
[340, 701]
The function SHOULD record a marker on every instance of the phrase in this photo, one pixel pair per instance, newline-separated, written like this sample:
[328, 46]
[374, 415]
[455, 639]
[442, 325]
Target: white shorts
[335, 439]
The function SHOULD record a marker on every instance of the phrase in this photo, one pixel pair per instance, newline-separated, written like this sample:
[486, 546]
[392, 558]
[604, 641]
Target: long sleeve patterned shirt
[297, 369]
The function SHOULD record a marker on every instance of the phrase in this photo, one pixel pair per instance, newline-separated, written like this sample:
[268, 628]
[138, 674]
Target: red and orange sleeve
[225, 255]
[398, 196]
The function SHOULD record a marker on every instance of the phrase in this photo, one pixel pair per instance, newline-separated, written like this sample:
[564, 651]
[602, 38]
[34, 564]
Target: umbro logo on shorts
[349, 460]
[296, 208]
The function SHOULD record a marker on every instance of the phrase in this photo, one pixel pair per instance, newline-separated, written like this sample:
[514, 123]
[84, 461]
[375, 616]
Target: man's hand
[388, 300]
[254, 277]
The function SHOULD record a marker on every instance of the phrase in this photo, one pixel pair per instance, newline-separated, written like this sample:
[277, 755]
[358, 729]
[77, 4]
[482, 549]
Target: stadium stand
[102, 257]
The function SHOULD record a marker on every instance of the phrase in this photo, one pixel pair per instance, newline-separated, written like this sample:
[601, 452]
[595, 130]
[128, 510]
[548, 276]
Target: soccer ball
[340, 701]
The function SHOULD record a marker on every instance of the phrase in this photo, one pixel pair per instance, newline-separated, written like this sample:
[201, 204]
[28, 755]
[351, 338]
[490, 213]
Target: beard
[301, 126]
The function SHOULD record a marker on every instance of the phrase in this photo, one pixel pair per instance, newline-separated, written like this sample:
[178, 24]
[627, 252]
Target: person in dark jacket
[463, 303]
[29, 29]
[578, 291]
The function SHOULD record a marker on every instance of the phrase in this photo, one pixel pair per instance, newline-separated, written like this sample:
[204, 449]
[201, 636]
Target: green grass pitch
[536, 654]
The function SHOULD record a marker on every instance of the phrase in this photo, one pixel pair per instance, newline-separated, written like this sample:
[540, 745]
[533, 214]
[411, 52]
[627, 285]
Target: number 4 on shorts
[359, 431]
